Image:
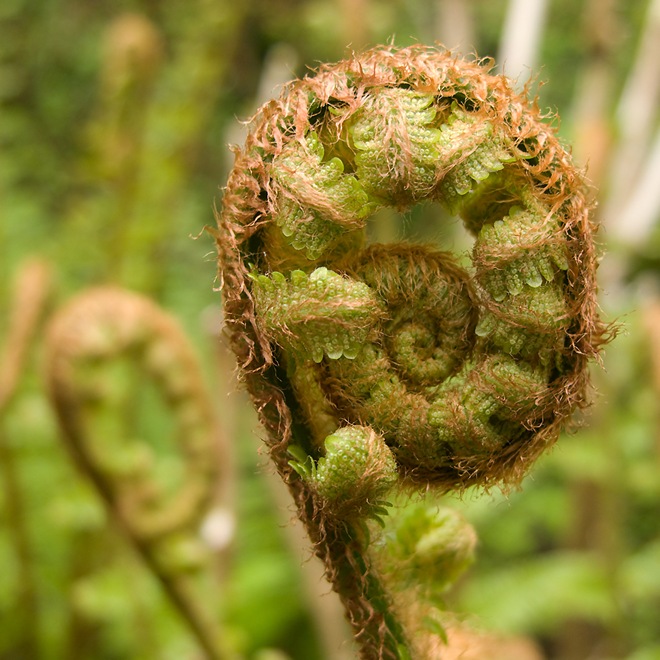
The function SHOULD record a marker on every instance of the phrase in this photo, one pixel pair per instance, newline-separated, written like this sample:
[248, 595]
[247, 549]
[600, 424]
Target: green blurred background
[115, 118]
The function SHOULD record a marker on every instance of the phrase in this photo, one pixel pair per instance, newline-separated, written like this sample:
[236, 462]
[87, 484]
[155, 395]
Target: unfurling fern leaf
[463, 375]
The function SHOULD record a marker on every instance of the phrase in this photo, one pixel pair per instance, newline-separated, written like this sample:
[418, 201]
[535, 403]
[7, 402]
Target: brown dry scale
[373, 364]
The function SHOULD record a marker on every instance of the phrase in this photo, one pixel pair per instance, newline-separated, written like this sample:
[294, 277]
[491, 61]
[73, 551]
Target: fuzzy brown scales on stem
[467, 375]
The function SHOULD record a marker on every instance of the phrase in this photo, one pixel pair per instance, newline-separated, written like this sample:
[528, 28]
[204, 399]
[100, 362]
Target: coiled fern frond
[465, 375]
[157, 497]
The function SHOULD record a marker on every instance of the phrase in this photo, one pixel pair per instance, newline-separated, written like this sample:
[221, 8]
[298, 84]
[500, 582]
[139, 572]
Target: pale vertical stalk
[521, 37]
[218, 529]
[30, 295]
[278, 68]
[638, 217]
[636, 116]
[644, 80]
[594, 89]
[455, 25]
[652, 325]
[354, 22]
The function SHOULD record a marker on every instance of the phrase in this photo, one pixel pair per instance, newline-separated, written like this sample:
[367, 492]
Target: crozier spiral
[467, 373]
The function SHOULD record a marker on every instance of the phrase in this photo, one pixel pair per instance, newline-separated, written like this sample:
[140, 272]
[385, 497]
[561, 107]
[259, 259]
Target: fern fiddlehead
[464, 375]
[159, 509]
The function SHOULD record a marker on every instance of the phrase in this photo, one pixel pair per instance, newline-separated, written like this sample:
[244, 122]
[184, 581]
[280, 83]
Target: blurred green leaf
[538, 594]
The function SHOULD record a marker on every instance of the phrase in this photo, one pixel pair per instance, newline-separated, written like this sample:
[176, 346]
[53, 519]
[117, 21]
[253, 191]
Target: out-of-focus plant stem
[143, 140]
[652, 323]
[594, 89]
[30, 295]
[354, 16]
[455, 25]
[636, 124]
[133, 59]
[184, 99]
[220, 528]
[82, 634]
[16, 519]
[522, 35]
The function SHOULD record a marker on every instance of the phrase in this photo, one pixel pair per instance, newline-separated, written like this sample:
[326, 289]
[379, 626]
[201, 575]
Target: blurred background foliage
[114, 124]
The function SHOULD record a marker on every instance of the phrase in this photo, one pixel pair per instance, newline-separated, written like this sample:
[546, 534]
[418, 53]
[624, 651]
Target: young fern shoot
[93, 334]
[375, 366]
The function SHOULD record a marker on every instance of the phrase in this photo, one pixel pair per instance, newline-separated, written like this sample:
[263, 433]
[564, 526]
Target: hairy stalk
[92, 333]
[374, 366]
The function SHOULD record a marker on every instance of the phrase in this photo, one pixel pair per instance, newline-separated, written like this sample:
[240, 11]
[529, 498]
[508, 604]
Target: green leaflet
[357, 471]
[521, 249]
[316, 315]
[475, 413]
[430, 545]
[316, 202]
[528, 323]
[519, 259]
[396, 145]
[470, 150]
